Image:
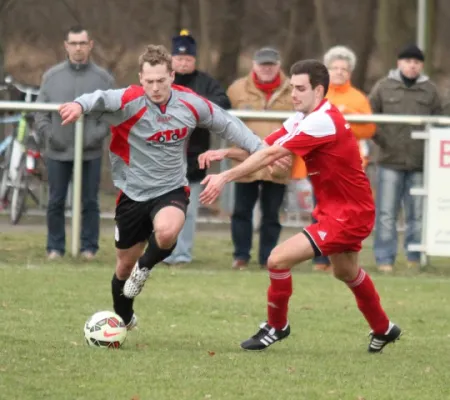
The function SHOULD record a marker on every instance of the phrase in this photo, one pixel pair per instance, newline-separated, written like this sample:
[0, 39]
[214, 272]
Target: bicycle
[21, 162]
[6, 149]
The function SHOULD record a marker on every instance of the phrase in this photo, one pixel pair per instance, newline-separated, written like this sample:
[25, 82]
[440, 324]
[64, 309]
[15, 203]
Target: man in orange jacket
[341, 62]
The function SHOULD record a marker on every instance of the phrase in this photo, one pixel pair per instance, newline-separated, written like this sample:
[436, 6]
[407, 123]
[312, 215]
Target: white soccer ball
[105, 329]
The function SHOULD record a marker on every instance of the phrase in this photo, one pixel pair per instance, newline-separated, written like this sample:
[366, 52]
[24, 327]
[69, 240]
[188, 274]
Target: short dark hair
[76, 29]
[317, 72]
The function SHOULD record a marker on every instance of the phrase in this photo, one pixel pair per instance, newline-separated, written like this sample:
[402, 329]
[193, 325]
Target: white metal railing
[77, 164]
[242, 114]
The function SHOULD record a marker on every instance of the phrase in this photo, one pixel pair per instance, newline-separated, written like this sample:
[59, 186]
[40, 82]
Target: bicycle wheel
[19, 192]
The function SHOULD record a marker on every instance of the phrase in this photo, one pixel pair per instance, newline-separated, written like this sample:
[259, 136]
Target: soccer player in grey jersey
[150, 126]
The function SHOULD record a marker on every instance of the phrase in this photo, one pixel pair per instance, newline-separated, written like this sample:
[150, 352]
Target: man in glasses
[73, 77]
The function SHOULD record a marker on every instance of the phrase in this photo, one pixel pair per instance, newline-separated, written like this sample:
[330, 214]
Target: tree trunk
[205, 48]
[300, 21]
[395, 29]
[230, 44]
[5, 5]
[364, 41]
[322, 25]
[179, 16]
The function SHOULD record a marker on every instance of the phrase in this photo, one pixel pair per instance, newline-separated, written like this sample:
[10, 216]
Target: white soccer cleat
[133, 323]
[135, 282]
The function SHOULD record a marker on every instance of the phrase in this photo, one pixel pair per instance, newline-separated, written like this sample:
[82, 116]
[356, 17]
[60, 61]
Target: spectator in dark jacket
[406, 90]
[184, 53]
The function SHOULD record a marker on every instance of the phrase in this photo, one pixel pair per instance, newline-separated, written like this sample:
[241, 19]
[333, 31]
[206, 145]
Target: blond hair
[154, 55]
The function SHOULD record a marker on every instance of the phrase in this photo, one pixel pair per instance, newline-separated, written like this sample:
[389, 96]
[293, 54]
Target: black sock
[122, 305]
[154, 254]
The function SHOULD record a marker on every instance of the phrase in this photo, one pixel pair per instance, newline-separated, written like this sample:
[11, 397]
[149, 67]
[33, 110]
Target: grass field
[192, 321]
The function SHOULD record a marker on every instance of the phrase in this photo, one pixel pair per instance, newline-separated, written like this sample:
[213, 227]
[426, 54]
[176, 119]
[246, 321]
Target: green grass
[191, 323]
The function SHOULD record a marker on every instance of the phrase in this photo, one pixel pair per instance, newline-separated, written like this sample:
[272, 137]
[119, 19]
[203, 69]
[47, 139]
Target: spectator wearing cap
[341, 61]
[184, 57]
[264, 88]
[406, 90]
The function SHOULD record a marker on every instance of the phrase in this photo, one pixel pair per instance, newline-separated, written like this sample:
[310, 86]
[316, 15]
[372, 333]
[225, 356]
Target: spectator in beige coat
[264, 88]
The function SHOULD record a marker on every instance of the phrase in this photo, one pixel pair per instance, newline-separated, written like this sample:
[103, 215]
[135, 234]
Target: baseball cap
[266, 55]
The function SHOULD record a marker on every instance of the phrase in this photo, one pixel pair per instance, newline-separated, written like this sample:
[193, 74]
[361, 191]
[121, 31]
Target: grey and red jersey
[148, 144]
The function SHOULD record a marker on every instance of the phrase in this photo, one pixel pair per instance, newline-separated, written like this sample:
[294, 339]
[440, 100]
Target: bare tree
[396, 27]
[364, 29]
[230, 45]
[5, 7]
[301, 18]
[179, 15]
[322, 24]
[109, 52]
[205, 48]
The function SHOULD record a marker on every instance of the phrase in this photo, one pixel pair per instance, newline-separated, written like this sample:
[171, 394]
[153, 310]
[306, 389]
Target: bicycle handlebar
[30, 90]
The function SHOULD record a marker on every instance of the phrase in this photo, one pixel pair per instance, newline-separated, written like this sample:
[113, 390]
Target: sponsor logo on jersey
[169, 136]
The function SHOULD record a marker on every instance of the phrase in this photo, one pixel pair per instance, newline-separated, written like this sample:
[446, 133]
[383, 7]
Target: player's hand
[214, 185]
[70, 112]
[284, 163]
[205, 159]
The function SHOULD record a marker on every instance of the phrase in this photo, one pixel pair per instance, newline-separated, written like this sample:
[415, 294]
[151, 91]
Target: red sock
[368, 302]
[278, 294]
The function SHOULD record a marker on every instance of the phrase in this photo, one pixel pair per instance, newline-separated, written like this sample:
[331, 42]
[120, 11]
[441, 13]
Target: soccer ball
[105, 329]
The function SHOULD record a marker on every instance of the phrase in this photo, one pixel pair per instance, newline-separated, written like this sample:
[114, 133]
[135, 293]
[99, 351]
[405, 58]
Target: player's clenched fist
[70, 112]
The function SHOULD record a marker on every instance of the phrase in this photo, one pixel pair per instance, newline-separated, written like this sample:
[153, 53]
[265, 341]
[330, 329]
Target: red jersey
[325, 141]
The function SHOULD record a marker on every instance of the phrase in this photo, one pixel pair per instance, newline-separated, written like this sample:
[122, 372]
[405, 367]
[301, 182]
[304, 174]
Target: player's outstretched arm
[258, 160]
[227, 126]
[104, 101]
[205, 159]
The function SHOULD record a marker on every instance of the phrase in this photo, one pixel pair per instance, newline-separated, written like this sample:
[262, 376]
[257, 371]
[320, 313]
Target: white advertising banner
[438, 207]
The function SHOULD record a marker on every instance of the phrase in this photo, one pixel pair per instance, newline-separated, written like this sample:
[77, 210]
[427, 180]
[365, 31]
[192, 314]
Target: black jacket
[208, 87]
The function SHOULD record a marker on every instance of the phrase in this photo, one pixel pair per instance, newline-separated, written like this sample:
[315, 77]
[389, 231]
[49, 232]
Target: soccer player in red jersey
[345, 209]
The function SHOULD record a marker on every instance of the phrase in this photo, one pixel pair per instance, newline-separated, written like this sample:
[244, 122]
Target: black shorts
[134, 219]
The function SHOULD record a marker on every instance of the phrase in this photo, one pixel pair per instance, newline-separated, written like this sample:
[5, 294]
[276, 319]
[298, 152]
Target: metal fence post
[77, 187]
[426, 147]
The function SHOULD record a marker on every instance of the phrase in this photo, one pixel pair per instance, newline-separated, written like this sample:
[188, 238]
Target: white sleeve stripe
[317, 125]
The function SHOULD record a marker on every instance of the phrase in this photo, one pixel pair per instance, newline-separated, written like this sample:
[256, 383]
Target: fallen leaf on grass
[135, 397]
[74, 343]
[211, 353]
[291, 370]
[360, 398]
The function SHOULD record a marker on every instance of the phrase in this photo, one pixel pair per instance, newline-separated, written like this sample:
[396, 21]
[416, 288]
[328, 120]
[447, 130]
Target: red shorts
[330, 236]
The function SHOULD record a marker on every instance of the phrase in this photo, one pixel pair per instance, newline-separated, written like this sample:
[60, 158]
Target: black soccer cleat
[377, 342]
[265, 337]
